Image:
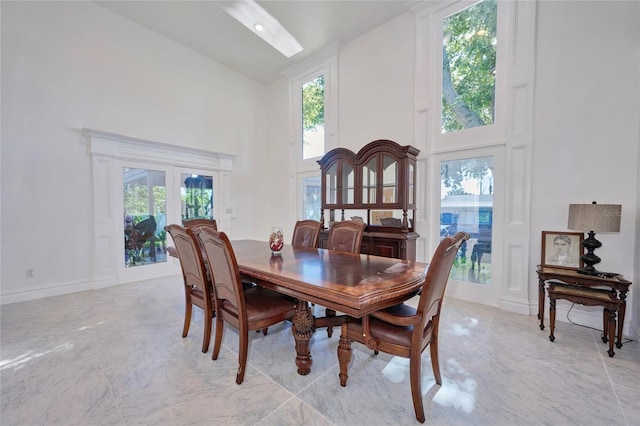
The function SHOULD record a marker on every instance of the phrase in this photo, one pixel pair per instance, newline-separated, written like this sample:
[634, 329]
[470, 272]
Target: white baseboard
[45, 291]
[516, 306]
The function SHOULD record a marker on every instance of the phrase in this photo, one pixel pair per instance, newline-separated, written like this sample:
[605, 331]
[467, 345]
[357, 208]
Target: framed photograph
[562, 249]
[378, 215]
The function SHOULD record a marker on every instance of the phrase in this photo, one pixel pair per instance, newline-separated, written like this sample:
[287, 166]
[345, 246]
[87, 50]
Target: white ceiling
[204, 27]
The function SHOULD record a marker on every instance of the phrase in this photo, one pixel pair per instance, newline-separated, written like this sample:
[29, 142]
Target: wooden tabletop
[350, 283]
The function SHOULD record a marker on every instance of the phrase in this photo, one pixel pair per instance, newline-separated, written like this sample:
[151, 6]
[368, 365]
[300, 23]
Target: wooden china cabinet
[377, 184]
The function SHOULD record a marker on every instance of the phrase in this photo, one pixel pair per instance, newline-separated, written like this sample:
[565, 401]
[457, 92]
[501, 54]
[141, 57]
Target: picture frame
[378, 215]
[562, 249]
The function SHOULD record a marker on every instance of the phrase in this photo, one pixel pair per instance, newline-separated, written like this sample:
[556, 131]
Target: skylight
[260, 22]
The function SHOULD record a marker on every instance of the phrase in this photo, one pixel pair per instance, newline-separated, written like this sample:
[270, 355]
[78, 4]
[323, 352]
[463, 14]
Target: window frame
[466, 290]
[487, 135]
[296, 116]
[109, 154]
[516, 60]
[300, 191]
[324, 63]
[140, 273]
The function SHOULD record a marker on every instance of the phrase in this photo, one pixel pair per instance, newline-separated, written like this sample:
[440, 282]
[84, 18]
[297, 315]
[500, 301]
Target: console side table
[571, 276]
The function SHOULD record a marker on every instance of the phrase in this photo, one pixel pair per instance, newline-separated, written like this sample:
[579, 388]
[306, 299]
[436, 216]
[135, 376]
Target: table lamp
[593, 218]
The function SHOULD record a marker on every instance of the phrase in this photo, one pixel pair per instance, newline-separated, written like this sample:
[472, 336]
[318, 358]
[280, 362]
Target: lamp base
[590, 258]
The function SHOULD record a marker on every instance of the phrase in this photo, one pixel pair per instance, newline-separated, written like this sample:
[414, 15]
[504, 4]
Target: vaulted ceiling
[207, 29]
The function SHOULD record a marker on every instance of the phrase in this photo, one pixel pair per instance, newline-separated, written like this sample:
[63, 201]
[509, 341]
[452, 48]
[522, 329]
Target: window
[313, 118]
[466, 204]
[144, 201]
[493, 50]
[311, 197]
[136, 180]
[196, 195]
[469, 67]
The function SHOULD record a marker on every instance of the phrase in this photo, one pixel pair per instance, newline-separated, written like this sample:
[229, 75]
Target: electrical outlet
[31, 273]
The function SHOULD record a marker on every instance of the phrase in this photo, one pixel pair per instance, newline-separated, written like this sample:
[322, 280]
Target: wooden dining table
[352, 284]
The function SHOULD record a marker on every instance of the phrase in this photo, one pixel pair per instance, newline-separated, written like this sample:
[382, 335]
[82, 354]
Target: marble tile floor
[115, 356]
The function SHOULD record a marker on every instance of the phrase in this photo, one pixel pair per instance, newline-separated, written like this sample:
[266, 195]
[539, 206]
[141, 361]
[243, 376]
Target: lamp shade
[595, 217]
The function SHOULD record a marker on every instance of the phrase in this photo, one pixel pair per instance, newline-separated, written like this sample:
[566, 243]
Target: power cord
[626, 340]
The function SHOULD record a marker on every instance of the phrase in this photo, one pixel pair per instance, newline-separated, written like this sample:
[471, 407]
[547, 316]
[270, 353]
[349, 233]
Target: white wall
[69, 65]
[376, 85]
[586, 123]
[635, 304]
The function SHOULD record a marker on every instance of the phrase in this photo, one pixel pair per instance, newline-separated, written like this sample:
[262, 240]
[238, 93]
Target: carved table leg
[330, 313]
[344, 355]
[605, 327]
[621, 313]
[302, 330]
[552, 318]
[541, 303]
[611, 329]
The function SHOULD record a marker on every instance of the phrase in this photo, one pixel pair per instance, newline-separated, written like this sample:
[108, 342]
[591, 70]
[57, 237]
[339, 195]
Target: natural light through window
[311, 198]
[469, 67]
[144, 199]
[466, 204]
[313, 118]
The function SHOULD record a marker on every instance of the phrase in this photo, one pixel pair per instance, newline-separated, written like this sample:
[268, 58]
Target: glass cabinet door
[411, 187]
[370, 181]
[389, 180]
[331, 184]
[348, 184]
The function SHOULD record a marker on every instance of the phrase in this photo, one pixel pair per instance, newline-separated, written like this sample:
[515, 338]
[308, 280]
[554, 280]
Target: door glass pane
[331, 184]
[144, 200]
[412, 183]
[468, 67]
[466, 204]
[389, 180]
[196, 195]
[313, 118]
[311, 197]
[348, 182]
[369, 171]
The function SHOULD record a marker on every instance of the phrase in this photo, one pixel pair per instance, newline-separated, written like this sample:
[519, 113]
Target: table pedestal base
[302, 330]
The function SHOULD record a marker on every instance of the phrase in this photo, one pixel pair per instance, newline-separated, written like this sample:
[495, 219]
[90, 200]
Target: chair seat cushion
[399, 310]
[382, 331]
[262, 303]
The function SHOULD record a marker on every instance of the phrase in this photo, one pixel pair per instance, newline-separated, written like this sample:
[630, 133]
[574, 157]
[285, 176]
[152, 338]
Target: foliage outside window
[196, 195]
[313, 118]
[468, 67]
[144, 201]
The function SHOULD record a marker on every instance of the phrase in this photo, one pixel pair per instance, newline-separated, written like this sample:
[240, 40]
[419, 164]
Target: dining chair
[245, 309]
[306, 234]
[405, 331]
[197, 283]
[344, 236]
[194, 223]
